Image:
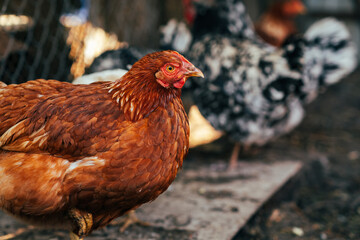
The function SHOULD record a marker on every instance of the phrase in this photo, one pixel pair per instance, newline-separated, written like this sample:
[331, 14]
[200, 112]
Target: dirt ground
[325, 204]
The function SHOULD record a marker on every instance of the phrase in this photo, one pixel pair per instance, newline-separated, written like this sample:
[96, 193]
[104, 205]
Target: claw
[130, 219]
[17, 233]
[74, 236]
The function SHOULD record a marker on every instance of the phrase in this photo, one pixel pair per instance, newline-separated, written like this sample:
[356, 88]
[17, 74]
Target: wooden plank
[217, 204]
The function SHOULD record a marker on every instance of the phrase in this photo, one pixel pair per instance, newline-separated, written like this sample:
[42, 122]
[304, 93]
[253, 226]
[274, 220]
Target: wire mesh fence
[54, 39]
[33, 40]
[43, 39]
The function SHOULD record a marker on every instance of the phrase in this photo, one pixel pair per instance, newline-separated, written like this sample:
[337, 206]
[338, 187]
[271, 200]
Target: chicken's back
[16, 100]
[57, 118]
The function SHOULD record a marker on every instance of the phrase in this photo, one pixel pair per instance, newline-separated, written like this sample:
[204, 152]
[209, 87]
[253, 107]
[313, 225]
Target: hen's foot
[16, 234]
[82, 224]
[73, 236]
[129, 219]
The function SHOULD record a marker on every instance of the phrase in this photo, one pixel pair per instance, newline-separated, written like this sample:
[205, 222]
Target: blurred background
[347, 11]
[60, 38]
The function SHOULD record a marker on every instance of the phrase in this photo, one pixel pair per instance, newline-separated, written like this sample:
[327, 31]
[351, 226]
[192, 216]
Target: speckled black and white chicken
[253, 91]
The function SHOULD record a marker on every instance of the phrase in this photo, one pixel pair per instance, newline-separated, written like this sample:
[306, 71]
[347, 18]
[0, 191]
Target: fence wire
[33, 40]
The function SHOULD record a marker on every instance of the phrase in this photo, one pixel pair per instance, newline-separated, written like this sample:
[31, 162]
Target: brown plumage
[78, 156]
[276, 24]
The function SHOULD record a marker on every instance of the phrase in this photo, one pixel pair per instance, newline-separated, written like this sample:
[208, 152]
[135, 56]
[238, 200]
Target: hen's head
[292, 8]
[168, 68]
[153, 81]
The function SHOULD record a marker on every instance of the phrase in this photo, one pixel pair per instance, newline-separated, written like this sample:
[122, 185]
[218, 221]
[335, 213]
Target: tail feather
[176, 36]
[337, 51]
[330, 55]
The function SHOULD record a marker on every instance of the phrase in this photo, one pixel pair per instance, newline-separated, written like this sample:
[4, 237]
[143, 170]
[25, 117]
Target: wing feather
[64, 122]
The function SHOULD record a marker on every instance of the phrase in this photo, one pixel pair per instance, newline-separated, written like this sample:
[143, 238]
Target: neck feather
[138, 94]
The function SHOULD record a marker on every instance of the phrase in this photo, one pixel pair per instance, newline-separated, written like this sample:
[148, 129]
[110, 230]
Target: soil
[325, 202]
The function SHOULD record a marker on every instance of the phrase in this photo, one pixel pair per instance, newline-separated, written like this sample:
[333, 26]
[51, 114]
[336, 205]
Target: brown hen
[276, 24]
[78, 156]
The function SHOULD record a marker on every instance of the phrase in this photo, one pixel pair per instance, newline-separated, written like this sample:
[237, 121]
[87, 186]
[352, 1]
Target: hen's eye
[170, 68]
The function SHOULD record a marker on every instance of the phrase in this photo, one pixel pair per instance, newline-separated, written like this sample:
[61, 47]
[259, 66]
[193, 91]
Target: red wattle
[180, 83]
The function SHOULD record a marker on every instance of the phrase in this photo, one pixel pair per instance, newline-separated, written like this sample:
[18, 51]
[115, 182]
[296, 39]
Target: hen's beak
[190, 71]
[194, 72]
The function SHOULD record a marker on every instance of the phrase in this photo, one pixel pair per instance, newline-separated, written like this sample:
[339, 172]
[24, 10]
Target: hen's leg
[234, 157]
[82, 224]
[239, 149]
[129, 219]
